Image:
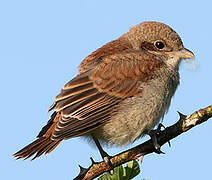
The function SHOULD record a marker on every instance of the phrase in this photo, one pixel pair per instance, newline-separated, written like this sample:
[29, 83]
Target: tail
[44, 143]
[38, 147]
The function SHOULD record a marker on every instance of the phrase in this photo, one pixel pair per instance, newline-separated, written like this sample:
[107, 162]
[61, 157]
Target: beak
[181, 54]
[185, 54]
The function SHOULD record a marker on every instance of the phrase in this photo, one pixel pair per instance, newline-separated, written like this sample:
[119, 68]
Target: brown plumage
[44, 143]
[120, 93]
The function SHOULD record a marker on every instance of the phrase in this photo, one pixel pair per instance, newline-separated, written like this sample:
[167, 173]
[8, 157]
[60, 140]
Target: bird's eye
[159, 45]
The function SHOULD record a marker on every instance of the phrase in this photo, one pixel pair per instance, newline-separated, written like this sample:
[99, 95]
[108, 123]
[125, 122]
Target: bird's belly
[136, 116]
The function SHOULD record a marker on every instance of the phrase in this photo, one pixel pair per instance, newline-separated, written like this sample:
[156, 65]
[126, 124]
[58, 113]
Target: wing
[87, 101]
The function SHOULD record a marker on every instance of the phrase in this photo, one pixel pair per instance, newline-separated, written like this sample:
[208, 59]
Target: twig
[182, 125]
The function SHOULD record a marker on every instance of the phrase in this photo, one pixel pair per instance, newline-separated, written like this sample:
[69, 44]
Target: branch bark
[182, 125]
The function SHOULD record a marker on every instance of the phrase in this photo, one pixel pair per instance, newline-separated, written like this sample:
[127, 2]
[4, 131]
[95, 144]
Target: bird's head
[160, 40]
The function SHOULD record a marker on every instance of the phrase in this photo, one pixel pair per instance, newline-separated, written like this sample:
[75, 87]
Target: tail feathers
[38, 147]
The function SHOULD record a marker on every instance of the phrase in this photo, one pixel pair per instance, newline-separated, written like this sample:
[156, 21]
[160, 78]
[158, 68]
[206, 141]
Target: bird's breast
[136, 116]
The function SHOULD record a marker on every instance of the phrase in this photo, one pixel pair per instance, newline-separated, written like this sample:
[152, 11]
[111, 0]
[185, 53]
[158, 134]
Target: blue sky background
[41, 46]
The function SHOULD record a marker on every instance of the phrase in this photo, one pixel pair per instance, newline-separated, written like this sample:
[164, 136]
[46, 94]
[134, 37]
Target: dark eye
[159, 45]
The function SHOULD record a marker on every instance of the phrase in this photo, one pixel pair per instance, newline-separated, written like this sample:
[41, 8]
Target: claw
[160, 125]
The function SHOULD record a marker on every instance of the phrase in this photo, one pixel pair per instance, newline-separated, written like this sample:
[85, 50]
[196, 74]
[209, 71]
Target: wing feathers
[87, 101]
[85, 104]
[73, 91]
[77, 81]
[106, 77]
[74, 99]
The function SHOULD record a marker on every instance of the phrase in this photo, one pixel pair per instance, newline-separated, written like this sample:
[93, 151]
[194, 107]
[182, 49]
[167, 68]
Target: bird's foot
[153, 134]
[107, 160]
[104, 155]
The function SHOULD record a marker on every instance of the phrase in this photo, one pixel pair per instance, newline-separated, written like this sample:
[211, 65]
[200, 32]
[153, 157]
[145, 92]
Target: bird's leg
[104, 155]
[153, 134]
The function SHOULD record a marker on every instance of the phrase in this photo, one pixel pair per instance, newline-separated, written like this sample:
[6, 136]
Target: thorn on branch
[92, 161]
[182, 125]
[82, 173]
[182, 116]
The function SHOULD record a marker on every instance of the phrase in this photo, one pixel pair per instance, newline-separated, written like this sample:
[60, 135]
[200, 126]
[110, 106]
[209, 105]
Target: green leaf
[131, 170]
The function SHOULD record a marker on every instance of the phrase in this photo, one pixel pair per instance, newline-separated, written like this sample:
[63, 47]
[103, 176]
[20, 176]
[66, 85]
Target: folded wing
[87, 101]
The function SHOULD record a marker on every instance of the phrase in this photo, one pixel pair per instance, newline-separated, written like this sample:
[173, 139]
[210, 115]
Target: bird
[121, 92]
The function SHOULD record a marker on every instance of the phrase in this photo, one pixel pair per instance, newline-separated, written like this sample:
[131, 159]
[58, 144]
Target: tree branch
[182, 125]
